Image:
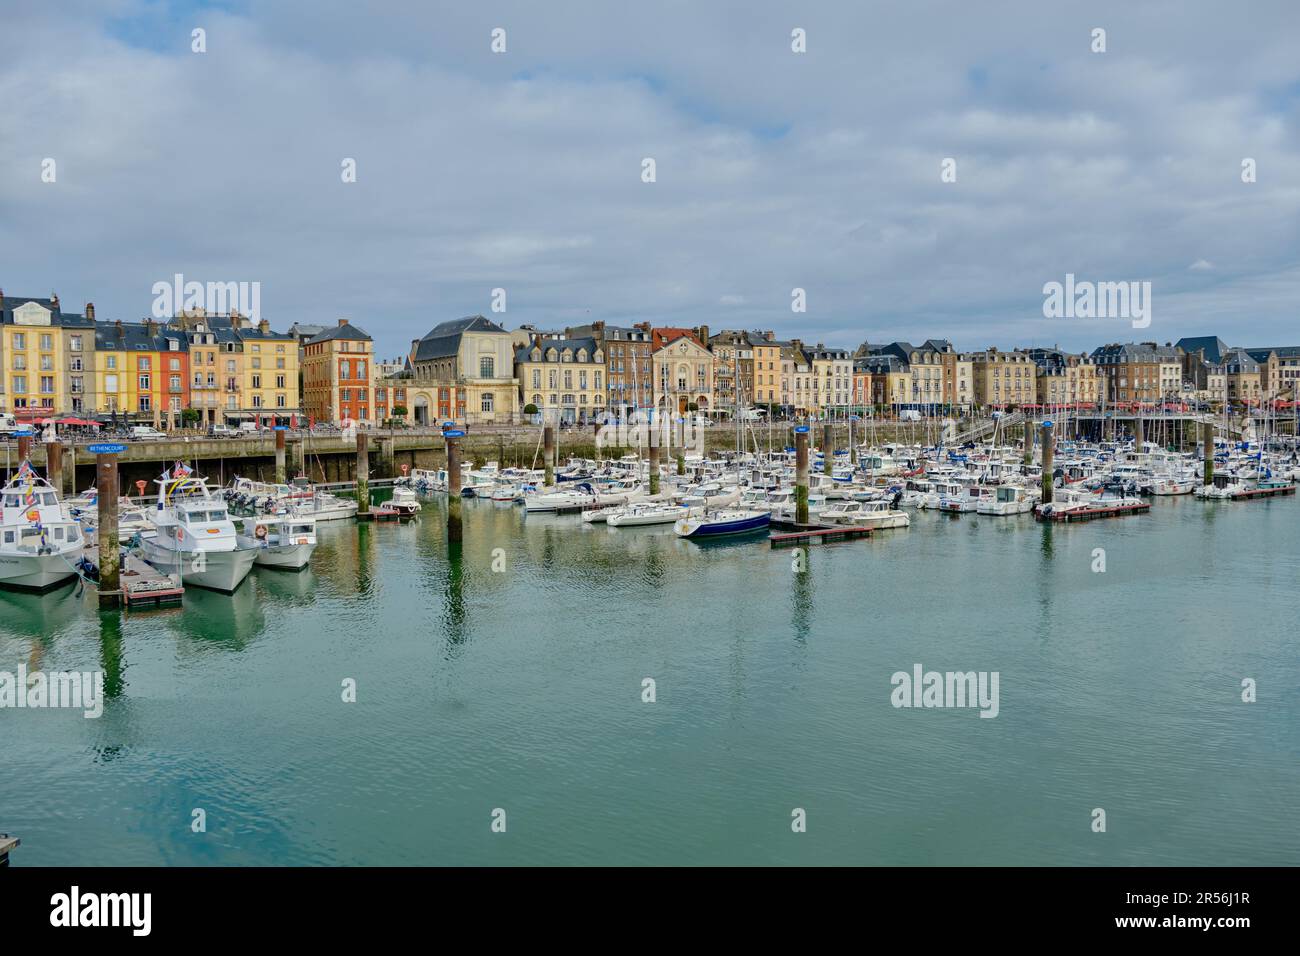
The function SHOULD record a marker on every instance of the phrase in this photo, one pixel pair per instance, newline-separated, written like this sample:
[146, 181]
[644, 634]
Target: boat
[712, 524]
[195, 536]
[645, 513]
[404, 499]
[876, 515]
[1069, 504]
[282, 540]
[40, 544]
[1008, 500]
[301, 495]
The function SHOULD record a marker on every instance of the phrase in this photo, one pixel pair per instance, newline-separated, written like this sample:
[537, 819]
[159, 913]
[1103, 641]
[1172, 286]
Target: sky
[775, 170]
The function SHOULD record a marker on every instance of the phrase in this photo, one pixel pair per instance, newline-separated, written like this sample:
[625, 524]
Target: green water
[521, 689]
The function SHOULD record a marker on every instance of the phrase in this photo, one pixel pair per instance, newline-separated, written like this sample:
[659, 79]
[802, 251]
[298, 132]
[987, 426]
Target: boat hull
[38, 572]
[705, 528]
[288, 557]
[215, 570]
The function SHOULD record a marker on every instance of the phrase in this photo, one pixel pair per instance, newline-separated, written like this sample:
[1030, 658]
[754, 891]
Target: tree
[530, 409]
[189, 416]
[400, 411]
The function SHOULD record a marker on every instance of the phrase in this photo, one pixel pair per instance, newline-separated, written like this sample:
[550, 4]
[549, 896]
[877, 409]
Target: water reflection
[110, 654]
[229, 621]
[801, 594]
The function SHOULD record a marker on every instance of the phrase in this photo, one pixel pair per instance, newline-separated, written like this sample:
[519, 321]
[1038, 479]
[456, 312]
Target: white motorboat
[404, 500]
[645, 513]
[40, 543]
[301, 496]
[876, 515]
[1008, 500]
[195, 536]
[282, 540]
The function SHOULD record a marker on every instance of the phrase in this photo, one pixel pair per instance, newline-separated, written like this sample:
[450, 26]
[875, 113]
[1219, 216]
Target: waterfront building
[270, 384]
[683, 370]
[1003, 379]
[1141, 372]
[629, 369]
[1064, 378]
[832, 379]
[337, 375]
[563, 377]
[463, 371]
[1279, 371]
[890, 380]
[767, 369]
[142, 371]
[45, 355]
[1243, 376]
[797, 374]
[733, 369]
[862, 398]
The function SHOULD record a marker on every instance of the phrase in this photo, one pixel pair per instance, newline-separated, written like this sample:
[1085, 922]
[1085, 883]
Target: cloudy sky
[775, 170]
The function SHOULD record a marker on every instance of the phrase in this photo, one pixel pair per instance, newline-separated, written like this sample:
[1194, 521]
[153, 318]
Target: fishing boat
[195, 536]
[270, 497]
[967, 500]
[282, 540]
[40, 544]
[714, 524]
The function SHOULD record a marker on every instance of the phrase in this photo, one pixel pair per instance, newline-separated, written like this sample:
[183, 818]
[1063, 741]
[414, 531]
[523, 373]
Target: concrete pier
[455, 530]
[1207, 437]
[1048, 449]
[54, 465]
[279, 457]
[110, 582]
[801, 476]
[548, 454]
[363, 474]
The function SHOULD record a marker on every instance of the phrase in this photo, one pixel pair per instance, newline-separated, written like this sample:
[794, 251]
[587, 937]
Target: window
[230, 365]
[20, 384]
[47, 342]
[144, 383]
[47, 363]
[176, 383]
[74, 343]
[20, 362]
[488, 400]
[174, 364]
[76, 384]
[279, 401]
[146, 403]
[279, 381]
[257, 381]
[20, 340]
[143, 363]
[487, 369]
[74, 365]
[537, 378]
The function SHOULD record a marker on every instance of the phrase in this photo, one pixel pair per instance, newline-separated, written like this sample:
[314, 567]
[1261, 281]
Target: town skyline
[399, 170]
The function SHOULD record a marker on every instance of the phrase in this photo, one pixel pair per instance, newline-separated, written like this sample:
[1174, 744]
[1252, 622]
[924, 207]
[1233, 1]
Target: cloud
[522, 171]
[1201, 265]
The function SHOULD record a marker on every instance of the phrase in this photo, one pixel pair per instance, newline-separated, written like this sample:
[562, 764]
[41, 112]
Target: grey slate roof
[349, 331]
[1213, 347]
[589, 343]
[443, 340]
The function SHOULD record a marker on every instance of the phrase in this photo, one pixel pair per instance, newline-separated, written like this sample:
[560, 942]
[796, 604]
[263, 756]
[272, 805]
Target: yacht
[645, 513]
[40, 544]
[195, 536]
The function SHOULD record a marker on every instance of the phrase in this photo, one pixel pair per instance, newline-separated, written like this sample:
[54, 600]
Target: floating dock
[1091, 514]
[794, 534]
[1271, 492]
[7, 843]
[143, 585]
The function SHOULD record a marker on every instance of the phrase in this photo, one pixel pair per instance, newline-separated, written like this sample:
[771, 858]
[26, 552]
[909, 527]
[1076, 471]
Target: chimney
[90, 311]
[703, 333]
[770, 335]
[54, 299]
[598, 327]
[117, 326]
[2, 300]
[343, 321]
[264, 326]
[150, 327]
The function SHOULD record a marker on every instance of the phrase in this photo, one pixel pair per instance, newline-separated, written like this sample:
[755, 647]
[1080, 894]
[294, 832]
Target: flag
[180, 470]
[25, 470]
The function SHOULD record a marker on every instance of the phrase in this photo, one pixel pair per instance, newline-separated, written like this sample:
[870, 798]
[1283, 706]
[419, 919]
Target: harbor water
[508, 674]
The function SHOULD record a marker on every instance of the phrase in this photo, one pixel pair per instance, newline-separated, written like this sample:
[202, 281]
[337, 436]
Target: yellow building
[767, 369]
[1004, 378]
[46, 356]
[563, 377]
[270, 373]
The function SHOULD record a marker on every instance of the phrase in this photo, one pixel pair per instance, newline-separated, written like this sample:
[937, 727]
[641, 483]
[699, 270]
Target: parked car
[223, 431]
[146, 433]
